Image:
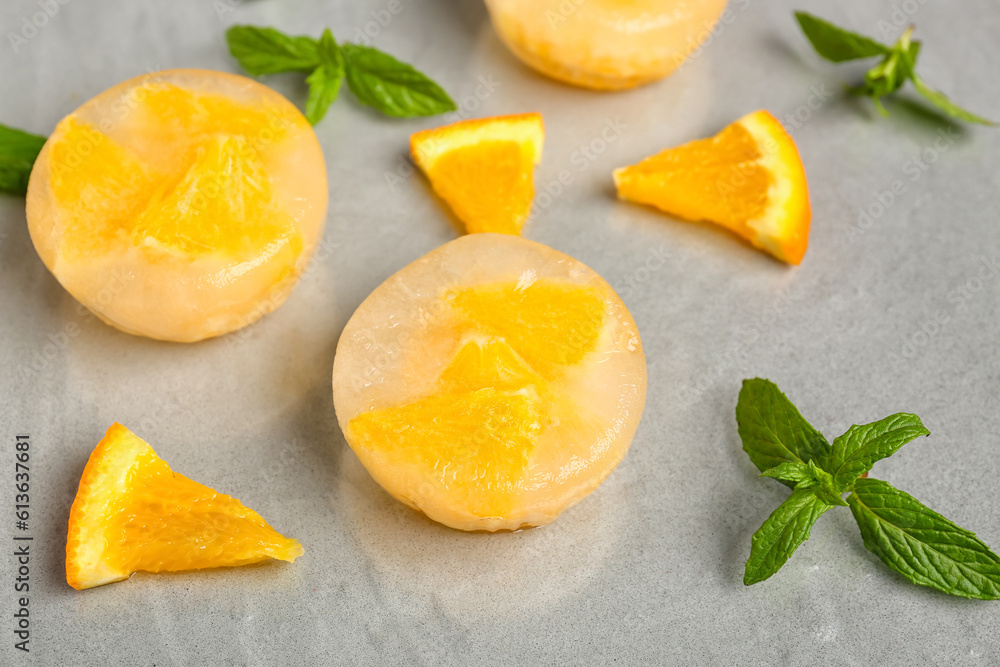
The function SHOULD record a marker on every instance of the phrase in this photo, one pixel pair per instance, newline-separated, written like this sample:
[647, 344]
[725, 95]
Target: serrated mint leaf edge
[395, 88]
[289, 53]
[781, 534]
[750, 417]
[869, 444]
[866, 517]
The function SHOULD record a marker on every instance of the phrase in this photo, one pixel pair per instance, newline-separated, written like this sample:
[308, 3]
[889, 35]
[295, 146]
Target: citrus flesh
[604, 44]
[484, 168]
[133, 513]
[179, 205]
[491, 384]
[748, 178]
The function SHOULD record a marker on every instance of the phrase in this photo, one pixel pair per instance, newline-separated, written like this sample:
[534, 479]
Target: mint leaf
[781, 534]
[855, 452]
[376, 78]
[796, 473]
[922, 545]
[393, 87]
[18, 151]
[908, 56]
[269, 51]
[324, 82]
[941, 101]
[773, 431]
[835, 43]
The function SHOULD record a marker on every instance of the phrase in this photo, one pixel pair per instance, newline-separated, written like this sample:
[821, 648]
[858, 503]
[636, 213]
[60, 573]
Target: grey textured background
[899, 316]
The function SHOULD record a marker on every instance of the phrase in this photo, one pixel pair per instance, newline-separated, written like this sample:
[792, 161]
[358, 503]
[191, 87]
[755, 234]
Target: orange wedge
[133, 513]
[748, 178]
[484, 168]
[491, 384]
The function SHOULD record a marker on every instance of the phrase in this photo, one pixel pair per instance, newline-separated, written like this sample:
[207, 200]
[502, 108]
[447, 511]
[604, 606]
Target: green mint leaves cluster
[898, 64]
[910, 538]
[18, 151]
[376, 78]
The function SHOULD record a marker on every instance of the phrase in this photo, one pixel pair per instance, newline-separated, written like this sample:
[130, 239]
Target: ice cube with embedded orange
[181, 204]
[491, 384]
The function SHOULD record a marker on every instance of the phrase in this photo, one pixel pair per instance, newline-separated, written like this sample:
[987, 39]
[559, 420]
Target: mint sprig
[910, 538]
[18, 151]
[898, 64]
[376, 78]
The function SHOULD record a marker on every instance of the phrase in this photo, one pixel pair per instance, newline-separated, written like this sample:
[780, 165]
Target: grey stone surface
[898, 316]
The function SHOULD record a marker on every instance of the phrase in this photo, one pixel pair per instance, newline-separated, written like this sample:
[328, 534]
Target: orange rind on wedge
[484, 168]
[133, 513]
[748, 178]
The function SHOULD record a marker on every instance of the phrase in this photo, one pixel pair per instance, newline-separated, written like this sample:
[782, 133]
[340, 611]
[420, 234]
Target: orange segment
[133, 513]
[489, 362]
[102, 187]
[550, 324]
[223, 204]
[748, 178]
[171, 123]
[484, 169]
[474, 446]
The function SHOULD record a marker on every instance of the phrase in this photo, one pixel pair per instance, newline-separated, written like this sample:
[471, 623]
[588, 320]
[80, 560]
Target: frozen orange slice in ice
[748, 178]
[179, 205]
[133, 513]
[604, 44]
[484, 168]
[491, 384]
